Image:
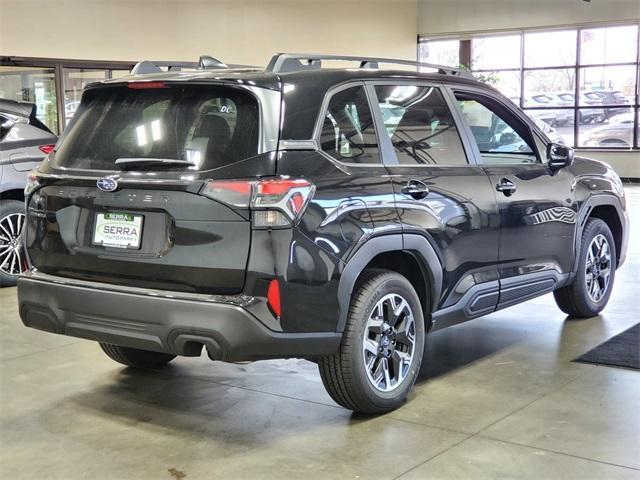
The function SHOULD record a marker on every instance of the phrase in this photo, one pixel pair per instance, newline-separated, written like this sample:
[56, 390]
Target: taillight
[277, 202]
[46, 149]
[231, 192]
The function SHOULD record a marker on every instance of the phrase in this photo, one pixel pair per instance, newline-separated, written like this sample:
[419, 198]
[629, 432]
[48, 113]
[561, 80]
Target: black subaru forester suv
[332, 214]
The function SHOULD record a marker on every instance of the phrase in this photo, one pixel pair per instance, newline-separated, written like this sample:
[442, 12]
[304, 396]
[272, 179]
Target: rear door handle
[506, 186]
[415, 189]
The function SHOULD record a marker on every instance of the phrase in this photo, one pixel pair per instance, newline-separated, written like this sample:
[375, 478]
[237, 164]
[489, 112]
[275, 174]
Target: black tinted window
[208, 126]
[348, 133]
[501, 138]
[420, 125]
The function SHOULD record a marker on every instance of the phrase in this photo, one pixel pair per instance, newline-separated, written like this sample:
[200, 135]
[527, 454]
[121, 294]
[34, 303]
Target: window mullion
[522, 70]
[576, 87]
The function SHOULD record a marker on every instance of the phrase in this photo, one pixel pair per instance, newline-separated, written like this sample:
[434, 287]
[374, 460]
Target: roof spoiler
[20, 109]
[289, 62]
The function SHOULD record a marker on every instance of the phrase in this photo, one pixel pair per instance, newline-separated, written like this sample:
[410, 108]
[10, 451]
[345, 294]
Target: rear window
[209, 126]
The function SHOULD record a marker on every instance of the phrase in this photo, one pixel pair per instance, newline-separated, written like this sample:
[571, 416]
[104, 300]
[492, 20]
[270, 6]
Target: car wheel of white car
[12, 259]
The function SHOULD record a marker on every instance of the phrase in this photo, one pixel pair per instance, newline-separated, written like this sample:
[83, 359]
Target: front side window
[502, 138]
[208, 127]
[420, 125]
[348, 133]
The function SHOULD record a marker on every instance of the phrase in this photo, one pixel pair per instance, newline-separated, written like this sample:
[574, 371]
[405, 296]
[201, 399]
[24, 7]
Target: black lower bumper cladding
[160, 323]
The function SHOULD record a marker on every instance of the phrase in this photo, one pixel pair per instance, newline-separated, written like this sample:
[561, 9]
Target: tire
[578, 299]
[12, 259]
[133, 357]
[346, 376]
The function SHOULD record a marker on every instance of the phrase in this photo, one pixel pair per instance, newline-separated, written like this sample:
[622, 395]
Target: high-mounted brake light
[143, 85]
[46, 149]
[275, 203]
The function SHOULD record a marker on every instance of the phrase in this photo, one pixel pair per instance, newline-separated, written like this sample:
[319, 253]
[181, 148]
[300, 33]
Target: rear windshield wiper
[158, 162]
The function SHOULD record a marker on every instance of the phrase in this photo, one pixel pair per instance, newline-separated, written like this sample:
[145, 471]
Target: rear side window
[348, 133]
[420, 125]
[209, 126]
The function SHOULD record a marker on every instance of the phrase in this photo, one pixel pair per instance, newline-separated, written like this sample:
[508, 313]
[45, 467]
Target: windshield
[206, 126]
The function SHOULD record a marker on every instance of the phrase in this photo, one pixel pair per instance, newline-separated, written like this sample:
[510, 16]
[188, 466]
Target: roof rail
[288, 62]
[205, 62]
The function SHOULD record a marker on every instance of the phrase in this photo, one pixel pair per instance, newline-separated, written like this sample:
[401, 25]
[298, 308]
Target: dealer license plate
[120, 230]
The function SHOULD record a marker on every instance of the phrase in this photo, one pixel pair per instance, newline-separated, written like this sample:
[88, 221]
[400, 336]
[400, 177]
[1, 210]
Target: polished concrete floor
[499, 398]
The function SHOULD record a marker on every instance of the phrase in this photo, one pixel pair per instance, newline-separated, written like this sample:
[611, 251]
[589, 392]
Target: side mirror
[508, 139]
[559, 156]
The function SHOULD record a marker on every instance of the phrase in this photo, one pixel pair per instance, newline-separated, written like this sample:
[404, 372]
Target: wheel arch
[13, 194]
[409, 255]
[609, 215]
[608, 209]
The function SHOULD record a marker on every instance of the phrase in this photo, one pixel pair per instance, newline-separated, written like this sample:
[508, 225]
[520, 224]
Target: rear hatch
[119, 199]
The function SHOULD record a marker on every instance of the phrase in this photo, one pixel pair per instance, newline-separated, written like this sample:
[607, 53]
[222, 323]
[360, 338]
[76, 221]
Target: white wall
[464, 17]
[242, 31]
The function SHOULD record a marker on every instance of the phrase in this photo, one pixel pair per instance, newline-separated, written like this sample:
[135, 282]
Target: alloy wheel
[389, 342]
[11, 257]
[598, 268]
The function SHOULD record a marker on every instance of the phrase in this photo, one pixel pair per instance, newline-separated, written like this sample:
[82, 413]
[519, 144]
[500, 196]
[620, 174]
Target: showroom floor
[499, 398]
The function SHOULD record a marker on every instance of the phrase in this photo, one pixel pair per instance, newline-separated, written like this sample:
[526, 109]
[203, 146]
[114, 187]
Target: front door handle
[415, 189]
[506, 186]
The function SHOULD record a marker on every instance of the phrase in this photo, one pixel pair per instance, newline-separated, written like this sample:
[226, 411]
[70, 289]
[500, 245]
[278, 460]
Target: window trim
[317, 129]
[577, 67]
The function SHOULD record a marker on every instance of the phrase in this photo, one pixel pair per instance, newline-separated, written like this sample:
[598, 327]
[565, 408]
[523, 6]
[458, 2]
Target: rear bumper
[160, 321]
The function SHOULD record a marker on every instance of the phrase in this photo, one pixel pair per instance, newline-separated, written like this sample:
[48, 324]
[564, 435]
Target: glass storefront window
[119, 73]
[580, 82]
[551, 87]
[550, 49]
[617, 131]
[637, 128]
[28, 81]
[490, 53]
[614, 85]
[75, 79]
[34, 85]
[609, 45]
[441, 52]
[506, 81]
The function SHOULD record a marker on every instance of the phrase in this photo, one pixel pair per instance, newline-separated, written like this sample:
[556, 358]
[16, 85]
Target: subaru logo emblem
[107, 184]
